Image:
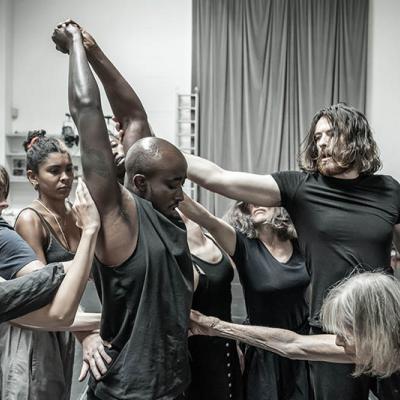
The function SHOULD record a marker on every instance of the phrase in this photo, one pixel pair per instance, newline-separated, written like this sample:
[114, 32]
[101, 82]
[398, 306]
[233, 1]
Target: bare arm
[61, 311]
[280, 341]
[222, 232]
[257, 189]
[82, 322]
[85, 107]
[30, 228]
[126, 105]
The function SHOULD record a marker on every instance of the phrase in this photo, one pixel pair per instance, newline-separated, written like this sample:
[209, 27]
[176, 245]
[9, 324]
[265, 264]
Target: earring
[36, 186]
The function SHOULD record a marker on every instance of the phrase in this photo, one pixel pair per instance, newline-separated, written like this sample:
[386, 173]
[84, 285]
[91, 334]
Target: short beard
[330, 168]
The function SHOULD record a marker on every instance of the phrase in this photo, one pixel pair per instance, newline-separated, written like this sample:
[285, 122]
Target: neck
[349, 174]
[271, 240]
[57, 206]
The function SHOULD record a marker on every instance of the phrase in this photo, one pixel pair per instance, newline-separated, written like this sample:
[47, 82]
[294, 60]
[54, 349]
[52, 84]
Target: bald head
[151, 155]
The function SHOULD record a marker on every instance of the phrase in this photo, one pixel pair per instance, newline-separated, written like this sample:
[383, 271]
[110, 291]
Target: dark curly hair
[358, 148]
[38, 147]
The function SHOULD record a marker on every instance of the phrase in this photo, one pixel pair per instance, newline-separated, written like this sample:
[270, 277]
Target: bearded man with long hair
[345, 216]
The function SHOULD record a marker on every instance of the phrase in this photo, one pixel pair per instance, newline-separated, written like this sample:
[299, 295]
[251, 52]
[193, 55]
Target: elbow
[83, 104]
[61, 319]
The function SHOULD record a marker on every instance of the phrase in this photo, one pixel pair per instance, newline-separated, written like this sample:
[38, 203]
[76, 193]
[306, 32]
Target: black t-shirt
[15, 253]
[342, 225]
[274, 292]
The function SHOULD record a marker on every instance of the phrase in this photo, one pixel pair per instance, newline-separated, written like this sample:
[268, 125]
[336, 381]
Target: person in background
[345, 216]
[261, 242]
[363, 313]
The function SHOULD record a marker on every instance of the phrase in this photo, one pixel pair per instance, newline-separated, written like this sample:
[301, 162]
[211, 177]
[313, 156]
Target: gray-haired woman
[261, 242]
[363, 312]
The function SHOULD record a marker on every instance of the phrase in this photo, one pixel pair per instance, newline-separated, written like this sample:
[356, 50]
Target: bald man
[143, 271]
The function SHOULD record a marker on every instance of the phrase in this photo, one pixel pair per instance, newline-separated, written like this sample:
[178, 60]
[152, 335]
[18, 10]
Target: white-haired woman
[261, 242]
[362, 312]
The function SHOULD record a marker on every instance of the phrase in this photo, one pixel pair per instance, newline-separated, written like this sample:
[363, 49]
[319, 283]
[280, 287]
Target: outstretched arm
[222, 232]
[280, 341]
[125, 104]
[257, 189]
[85, 107]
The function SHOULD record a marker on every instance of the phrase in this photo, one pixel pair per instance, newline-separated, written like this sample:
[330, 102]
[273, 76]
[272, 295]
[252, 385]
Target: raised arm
[222, 232]
[280, 341]
[61, 311]
[261, 190]
[85, 107]
[125, 103]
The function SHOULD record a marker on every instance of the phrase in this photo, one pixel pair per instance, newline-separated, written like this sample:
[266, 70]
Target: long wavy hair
[366, 309]
[238, 216]
[353, 144]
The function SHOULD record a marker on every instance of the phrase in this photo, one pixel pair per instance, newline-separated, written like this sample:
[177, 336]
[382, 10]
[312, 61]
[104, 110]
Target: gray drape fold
[264, 67]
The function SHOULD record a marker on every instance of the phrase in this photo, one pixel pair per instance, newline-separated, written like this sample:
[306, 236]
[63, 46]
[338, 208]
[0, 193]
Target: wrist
[91, 230]
[93, 51]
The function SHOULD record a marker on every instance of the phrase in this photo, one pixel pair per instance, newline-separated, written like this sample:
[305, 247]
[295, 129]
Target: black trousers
[332, 381]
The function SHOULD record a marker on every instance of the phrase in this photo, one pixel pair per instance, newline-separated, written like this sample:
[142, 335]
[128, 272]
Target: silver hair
[238, 216]
[366, 309]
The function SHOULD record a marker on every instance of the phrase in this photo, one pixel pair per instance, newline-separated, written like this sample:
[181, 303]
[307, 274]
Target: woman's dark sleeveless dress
[215, 366]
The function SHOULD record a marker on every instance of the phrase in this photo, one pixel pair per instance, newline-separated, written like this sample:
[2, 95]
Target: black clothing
[334, 381]
[55, 250]
[342, 224]
[214, 362]
[15, 253]
[23, 295]
[274, 294]
[146, 304]
[28, 293]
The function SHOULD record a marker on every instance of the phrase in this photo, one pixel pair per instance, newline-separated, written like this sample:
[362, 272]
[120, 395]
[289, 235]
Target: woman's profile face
[55, 175]
[347, 342]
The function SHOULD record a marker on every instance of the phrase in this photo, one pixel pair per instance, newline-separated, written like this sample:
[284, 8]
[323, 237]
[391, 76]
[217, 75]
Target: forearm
[24, 295]
[123, 99]
[85, 106]
[66, 300]
[285, 343]
[221, 231]
[125, 103]
[82, 322]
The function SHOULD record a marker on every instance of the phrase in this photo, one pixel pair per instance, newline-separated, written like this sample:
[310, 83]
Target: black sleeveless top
[54, 251]
[213, 294]
[146, 304]
[214, 363]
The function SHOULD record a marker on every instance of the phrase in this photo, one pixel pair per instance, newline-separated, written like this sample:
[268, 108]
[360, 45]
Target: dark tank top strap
[54, 251]
[45, 224]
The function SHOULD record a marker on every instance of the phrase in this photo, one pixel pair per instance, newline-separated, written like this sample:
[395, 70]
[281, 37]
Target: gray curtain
[264, 68]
